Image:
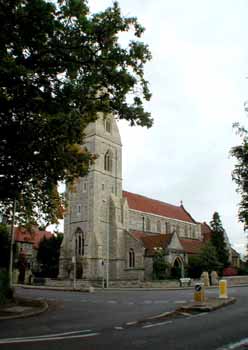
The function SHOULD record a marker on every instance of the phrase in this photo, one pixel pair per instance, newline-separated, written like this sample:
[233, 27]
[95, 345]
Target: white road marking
[147, 302]
[130, 303]
[161, 302]
[235, 345]
[157, 324]
[48, 338]
[118, 328]
[180, 302]
[198, 315]
[112, 302]
[48, 335]
[131, 323]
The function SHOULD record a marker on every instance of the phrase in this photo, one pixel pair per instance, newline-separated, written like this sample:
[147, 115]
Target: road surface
[106, 320]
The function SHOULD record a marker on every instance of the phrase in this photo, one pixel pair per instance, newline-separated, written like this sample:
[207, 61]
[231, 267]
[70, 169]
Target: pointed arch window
[108, 161]
[108, 125]
[131, 258]
[79, 242]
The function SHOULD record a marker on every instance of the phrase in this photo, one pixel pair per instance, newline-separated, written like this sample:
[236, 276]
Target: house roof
[34, 237]
[148, 205]
[235, 253]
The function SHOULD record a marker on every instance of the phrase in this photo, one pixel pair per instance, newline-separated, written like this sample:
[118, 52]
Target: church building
[113, 234]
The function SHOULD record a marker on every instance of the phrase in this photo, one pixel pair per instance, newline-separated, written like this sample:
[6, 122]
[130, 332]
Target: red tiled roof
[34, 237]
[137, 234]
[156, 241]
[191, 246]
[148, 205]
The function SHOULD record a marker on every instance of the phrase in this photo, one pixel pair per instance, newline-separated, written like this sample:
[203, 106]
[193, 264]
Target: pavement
[21, 308]
[26, 307]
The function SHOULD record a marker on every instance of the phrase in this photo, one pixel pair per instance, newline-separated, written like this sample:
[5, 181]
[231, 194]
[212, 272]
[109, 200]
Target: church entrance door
[177, 270]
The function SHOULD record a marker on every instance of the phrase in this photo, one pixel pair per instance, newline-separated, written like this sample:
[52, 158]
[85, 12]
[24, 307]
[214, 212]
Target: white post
[107, 258]
[74, 272]
[12, 240]
[102, 265]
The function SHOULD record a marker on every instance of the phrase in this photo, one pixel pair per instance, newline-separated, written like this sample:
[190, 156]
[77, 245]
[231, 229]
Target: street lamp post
[107, 257]
[74, 261]
[74, 272]
[12, 240]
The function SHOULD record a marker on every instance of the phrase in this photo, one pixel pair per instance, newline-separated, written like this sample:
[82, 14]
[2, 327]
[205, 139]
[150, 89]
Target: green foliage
[60, 67]
[4, 246]
[209, 258]
[218, 240]
[159, 265]
[194, 268]
[48, 256]
[6, 293]
[240, 173]
[243, 271]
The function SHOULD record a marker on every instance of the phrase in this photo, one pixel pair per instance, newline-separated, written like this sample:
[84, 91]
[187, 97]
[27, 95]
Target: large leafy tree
[240, 173]
[60, 67]
[48, 255]
[218, 239]
[4, 246]
[208, 258]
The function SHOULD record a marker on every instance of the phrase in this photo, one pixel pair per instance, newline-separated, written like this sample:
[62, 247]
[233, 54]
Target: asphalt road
[103, 320]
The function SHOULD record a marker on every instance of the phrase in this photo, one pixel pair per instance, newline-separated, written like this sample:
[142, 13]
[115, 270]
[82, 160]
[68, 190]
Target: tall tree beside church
[48, 255]
[240, 172]
[218, 239]
[4, 246]
[60, 67]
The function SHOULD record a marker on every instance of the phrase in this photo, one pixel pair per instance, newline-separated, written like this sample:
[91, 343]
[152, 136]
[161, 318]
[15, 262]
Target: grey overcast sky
[198, 80]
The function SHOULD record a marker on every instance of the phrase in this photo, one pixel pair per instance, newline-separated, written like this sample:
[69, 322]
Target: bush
[243, 271]
[6, 293]
[194, 268]
[160, 267]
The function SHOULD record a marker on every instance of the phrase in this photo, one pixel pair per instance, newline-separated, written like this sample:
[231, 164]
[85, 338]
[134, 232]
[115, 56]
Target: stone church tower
[94, 220]
[113, 235]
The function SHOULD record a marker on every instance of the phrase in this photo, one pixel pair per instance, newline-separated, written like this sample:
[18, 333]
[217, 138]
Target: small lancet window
[79, 242]
[108, 161]
[131, 258]
[108, 125]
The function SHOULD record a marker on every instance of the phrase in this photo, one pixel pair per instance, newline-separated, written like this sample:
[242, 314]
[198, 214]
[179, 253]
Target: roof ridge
[156, 200]
[182, 206]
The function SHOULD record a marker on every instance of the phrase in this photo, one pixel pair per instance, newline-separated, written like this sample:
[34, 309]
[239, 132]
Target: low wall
[235, 280]
[84, 284]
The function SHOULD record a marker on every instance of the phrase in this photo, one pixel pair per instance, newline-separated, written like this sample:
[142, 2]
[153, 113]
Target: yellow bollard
[223, 289]
[199, 295]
